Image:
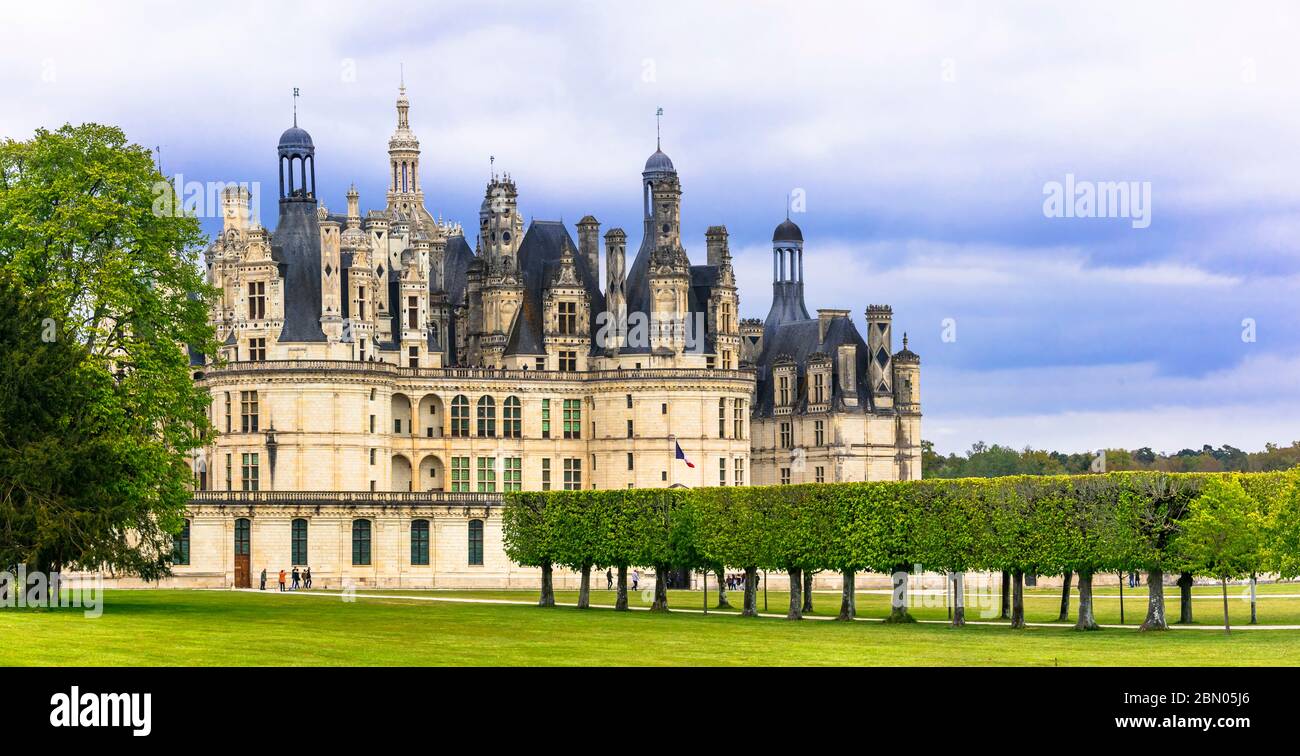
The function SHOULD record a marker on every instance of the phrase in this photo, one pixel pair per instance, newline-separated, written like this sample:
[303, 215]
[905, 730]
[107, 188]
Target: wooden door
[243, 572]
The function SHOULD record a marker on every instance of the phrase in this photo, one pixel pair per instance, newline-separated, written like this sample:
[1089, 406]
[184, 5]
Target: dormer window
[568, 318]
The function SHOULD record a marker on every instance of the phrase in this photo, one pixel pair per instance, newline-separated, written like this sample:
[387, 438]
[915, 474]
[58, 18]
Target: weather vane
[295, 106]
[659, 114]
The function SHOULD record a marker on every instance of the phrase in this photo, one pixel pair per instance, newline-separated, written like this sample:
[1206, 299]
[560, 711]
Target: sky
[920, 139]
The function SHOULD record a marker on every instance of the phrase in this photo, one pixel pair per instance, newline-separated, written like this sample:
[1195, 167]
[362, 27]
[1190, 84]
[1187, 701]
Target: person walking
[306, 578]
[609, 578]
[636, 578]
[261, 586]
[296, 578]
[282, 581]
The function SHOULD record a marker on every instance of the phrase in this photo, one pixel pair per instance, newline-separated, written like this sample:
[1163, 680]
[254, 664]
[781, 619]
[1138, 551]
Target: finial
[295, 107]
[904, 339]
[401, 78]
[492, 161]
[659, 114]
[158, 149]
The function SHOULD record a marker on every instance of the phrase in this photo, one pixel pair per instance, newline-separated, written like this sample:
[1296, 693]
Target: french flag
[682, 456]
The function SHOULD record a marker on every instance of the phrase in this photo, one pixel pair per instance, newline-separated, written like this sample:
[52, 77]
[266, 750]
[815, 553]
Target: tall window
[573, 418]
[787, 436]
[631, 461]
[413, 312]
[229, 412]
[181, 546]
[722, 418]
[487, 475]
[514, 474]
[250, 476]
[413, 357]
[460, 417]
[361, 302]
[820, 473]
[248, 411]
[573, 474]
[257, 349]
[512, 418]
[243, 536]
[487, 417]
[784, 383]
[298, 542]
[546, 418]
[722, 471]
[460, 474]
[419, 542]
[738, 419]
[546, 474]
[568, 318]
[630, 428]
[819, 432]
[568, 361]
[785, 476]
[819, 387]
[230, 480]
[257, 300]
[739, 468]
[475, 542]
[361, 542]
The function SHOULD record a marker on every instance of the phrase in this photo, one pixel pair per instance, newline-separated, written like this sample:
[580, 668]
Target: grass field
[237, 628]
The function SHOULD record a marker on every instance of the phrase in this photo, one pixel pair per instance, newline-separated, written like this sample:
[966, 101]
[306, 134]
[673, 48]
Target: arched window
[298, 542]
[460, 416]
[512, 418]
[361, 542]
[420, 542]
[242, 536]
[487, 417]
[476, 542]
[181, 545]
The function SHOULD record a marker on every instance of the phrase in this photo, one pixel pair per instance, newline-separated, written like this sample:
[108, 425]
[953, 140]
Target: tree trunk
[750, 608]
[1253, 619]
[1065, 599]
[848, 597]
[1226, 627]
[1121, 598]
[1155, 601]
[584, 588]
[807, 592]
[898, 601]
[958, 599]
[1006, 595]
[1086, 619]
[1017, 599]
[548, 588]
[723, 603]
[1185, 598]
[796, 605]
[620, 600]
[661, 589]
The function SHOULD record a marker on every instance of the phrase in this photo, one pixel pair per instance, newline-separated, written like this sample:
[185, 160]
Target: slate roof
[295, 246]
[798, 340]
[539, 258]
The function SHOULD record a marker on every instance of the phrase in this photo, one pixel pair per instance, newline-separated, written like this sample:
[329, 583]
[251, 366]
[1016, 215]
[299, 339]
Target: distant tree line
[989, 461]
[1221, 525]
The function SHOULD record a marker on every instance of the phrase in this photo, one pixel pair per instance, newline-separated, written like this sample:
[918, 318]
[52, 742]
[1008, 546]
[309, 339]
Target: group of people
[635, 576]
[300, 579]
[735, 581]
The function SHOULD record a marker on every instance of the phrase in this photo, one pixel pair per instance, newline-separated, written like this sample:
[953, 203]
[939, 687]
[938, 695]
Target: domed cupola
[659, 163]
[297, 164]
[788, 231]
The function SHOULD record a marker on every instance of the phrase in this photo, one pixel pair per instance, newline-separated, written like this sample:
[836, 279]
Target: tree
[526, 538]
[1222, 535]
[80, 239]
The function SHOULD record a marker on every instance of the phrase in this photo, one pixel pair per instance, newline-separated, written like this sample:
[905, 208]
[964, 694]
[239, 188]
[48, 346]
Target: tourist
[636, 578]
[609, 579]
[282, 581]
[306, 578]
[296, 578]
[262, 584]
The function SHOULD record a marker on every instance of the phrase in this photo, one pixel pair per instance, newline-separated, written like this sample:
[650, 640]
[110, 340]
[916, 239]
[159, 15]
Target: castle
[382, 381]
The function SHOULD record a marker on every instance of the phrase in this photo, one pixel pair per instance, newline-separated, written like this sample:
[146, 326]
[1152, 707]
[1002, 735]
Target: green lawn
[229, 628]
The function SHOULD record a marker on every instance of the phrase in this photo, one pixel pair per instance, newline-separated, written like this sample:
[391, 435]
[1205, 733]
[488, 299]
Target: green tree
[1222, 535]
[78, 234]
[526, 537]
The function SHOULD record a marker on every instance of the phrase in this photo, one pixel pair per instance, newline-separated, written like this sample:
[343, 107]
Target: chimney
[824, 318]
[589, 244]
[716, 243]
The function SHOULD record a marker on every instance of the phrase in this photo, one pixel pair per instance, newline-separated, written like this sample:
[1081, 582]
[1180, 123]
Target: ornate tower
[404, 193]
[497, 281]
[296, 243]
[787, 277]
[615, 293]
